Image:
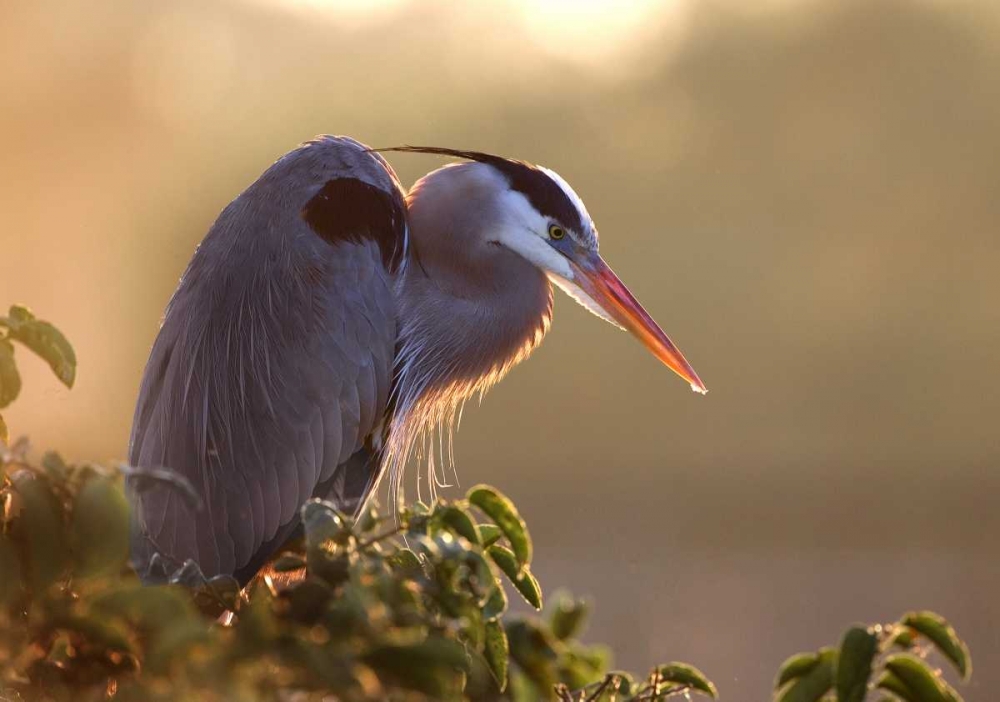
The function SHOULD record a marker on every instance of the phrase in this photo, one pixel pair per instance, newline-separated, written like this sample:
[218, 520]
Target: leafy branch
[44, 340]
[409, 606]
[891, 659]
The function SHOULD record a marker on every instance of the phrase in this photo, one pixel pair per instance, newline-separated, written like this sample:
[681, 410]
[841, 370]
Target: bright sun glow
[593, 30]
[589, 31]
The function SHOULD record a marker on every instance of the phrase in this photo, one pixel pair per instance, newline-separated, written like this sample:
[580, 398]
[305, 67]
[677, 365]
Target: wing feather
[272, 366]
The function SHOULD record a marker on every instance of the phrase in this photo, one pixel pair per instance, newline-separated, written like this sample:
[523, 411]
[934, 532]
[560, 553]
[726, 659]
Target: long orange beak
[596, 278]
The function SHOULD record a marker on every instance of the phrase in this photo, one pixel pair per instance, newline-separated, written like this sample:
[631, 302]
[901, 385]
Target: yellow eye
[556, 232]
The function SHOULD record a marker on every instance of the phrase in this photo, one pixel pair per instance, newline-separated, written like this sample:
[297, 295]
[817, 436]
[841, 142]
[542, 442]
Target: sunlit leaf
[623, 683]
[458, 521]
[152, 609]
[533, 649]
[46, 341]
[891, 683]
[497, 652]
[854, 665]
[431, 667]
[174, 643]
[367, 520]
[944, 637]
[795, 667]
[902, 637]
[811, 686]
[688, 676]
[496, 605]
[406, 560]
[100, 527]
[503, 513]
[924, 684]
[10, 379]
[40, 525]
[107, 635]
[326, 530]
[4, 434]
[568, 617]
[524, 582]
[489, 534]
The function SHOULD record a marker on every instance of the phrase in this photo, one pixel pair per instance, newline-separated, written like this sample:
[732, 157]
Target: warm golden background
[806, 194]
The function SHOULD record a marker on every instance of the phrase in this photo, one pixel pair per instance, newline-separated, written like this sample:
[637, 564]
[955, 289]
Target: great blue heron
[329, 319]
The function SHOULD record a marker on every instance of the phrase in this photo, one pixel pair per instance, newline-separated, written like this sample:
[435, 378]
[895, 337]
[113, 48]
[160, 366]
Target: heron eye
[556, 232]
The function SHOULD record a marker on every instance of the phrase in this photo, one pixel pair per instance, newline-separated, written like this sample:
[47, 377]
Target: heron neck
[466, 319]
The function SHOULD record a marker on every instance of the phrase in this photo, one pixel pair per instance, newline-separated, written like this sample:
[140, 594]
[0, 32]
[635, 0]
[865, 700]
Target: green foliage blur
[404, 607]
[411, 606]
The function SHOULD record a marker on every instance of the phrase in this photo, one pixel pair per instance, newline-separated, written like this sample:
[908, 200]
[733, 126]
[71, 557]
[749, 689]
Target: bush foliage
[410, 606]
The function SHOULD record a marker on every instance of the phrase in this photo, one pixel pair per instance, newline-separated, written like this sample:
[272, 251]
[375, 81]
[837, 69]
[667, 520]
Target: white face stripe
[525, 232]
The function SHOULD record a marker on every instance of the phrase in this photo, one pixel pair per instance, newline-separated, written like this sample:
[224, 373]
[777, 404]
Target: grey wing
[274, 362]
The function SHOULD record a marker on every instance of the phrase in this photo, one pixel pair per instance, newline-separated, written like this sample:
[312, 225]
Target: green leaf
[153, 609]
[925, 685]
[568, 617]
[458, 521]
[891, 683]
[811, 686]
[10, 379]
[854, 665]
[795, 667]
[533, 649]
[496, 605]
[497, 652]
[100, 527]
[326, 529]
[902, 637]
[46, 341]
[406, 560]
[522, 579]
[173, 645]
[431, 666]
[944, 638]
[503, 513]
[489, 534]
[40, 525]
[108, 635]
[688, 676]
[367, 520]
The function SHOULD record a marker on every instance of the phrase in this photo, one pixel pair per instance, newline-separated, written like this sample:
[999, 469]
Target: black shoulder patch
[542, 192]
[348, 209]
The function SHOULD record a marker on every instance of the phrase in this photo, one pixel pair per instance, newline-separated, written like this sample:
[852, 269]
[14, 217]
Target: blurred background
[805, 194]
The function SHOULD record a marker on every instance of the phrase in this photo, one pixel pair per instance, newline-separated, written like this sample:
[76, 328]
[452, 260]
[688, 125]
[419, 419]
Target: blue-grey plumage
[328, 321]
[271, 369]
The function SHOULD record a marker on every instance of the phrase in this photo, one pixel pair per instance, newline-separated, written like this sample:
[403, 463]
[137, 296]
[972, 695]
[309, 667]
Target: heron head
[546, 222]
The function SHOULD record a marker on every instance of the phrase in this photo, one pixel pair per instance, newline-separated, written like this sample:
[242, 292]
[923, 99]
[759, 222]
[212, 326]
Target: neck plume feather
[469, 311]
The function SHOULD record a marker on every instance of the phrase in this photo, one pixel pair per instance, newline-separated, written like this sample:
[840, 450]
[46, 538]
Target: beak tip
[699, 388]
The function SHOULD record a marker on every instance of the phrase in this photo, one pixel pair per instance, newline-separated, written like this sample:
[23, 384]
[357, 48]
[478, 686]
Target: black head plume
[544, 193]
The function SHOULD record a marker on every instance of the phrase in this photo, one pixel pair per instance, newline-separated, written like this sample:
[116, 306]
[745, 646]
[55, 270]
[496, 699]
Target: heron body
[328, 321]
